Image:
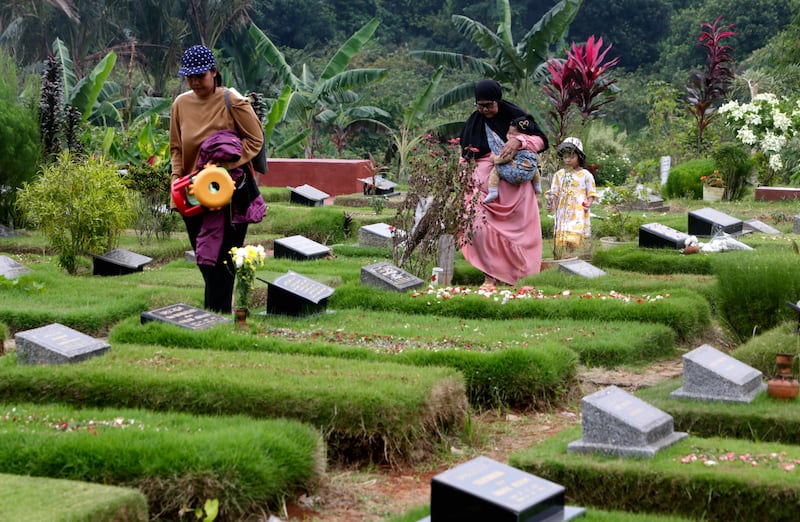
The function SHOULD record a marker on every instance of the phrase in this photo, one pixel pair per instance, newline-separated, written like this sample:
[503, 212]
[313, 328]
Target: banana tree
[310, 95]
[518, 65]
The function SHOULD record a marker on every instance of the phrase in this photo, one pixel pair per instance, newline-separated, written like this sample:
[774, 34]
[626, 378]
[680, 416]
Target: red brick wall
[776, 193]
[333, 176]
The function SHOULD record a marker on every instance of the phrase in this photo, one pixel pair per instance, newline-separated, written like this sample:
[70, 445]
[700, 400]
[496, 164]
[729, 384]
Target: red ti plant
[581, 80]
[706, 89]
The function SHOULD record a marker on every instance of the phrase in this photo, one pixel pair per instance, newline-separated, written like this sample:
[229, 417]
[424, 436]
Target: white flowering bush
[766, 124]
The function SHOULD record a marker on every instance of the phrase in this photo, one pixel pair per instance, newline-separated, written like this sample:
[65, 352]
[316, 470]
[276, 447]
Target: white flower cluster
[765, 124]
[251, 255]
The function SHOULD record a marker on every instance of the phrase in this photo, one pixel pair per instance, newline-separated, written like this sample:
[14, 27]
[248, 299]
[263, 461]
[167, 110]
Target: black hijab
[473, 135]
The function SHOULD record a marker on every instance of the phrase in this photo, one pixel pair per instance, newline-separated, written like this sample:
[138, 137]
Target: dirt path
[357, 495]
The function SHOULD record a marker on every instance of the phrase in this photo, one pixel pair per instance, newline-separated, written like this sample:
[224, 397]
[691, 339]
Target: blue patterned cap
[196, 60]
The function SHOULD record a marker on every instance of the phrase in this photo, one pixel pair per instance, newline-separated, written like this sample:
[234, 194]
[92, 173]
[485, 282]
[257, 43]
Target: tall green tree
[515, 64]
[311, 96]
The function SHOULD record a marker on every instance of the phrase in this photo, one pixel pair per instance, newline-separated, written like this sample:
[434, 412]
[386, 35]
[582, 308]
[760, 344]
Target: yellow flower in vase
[246, 260]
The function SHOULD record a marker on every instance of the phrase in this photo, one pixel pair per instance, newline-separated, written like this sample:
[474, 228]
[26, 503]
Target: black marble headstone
[56, 344]
[184, 316]
[10, 269]
[308, 195]
[484, 489]
[377, 185]
[707, 222]
[119, 262]
[656, 235]
[386, 276]
[295, 294]
[299, 248]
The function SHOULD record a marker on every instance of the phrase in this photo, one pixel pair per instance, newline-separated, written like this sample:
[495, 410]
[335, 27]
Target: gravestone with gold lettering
[184, 316]
[616, 423]
[386, 276]
[56, 344]
[295, 294]
[484, 489]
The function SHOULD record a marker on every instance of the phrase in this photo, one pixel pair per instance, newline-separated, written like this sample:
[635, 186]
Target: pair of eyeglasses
[484, 105]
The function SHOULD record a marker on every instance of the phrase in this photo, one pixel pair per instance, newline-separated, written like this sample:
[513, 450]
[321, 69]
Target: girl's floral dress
[568, 191]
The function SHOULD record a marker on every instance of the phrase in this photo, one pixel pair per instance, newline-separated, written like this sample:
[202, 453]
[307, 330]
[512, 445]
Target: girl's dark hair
[217, 78]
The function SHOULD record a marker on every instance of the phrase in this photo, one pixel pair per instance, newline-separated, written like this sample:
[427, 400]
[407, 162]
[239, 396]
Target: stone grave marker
[184, 316]
[386, 276]
[56, 344]
[754, 225]
[711, 375]
[617, 423]
[377, 185]
[664, 165]
[308, 195]
[119, 262]
[581, 268]
[11, 269]
[299, 248]
[8, 232]
[190, 257]
[656, 235]
[707, 222]
[295, 294]
[796, 225]
[375, 235]
[484, 489]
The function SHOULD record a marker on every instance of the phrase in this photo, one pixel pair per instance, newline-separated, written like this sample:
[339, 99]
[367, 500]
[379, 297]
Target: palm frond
[349, 49]
[547, 31]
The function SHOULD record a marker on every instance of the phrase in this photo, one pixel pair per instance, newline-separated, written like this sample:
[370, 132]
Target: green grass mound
[631, 258]
[684, 311]
[523, 376]
[698, 478]
[37, 499]
[367, 410]
[764, 419]
[177, 460]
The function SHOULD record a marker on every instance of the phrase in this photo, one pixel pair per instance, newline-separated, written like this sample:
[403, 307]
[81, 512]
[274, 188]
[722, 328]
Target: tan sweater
[194, 119]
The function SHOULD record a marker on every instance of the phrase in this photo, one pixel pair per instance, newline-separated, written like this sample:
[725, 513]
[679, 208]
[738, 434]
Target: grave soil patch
[351, 494]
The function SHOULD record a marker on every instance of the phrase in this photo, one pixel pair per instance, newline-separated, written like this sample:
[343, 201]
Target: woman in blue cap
[196, 115]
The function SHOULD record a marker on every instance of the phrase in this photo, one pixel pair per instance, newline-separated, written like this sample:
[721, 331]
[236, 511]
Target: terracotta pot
[549, 262]
[691, 249]
[241, 317]
[783, 388]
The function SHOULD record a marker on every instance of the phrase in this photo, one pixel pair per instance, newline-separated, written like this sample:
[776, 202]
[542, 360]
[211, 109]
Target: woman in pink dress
[506, 243]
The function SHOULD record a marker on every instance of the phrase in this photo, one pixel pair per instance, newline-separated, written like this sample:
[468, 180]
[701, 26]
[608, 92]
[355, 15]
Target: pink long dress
[507, 234]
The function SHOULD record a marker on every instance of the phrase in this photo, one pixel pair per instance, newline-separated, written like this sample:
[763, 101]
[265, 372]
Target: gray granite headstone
[190, 257]
[119, 262]
[656, 235]
[796, 225]
[386, 276]
[308, 195]
[295, 294]
[711, 375]
[11, 269]
[299, 248]
[484, 489]
[581, 268]
[707, 222]
[375, 235]
[56, 344]
[184, 316]
[617, 423]
[754, 225]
